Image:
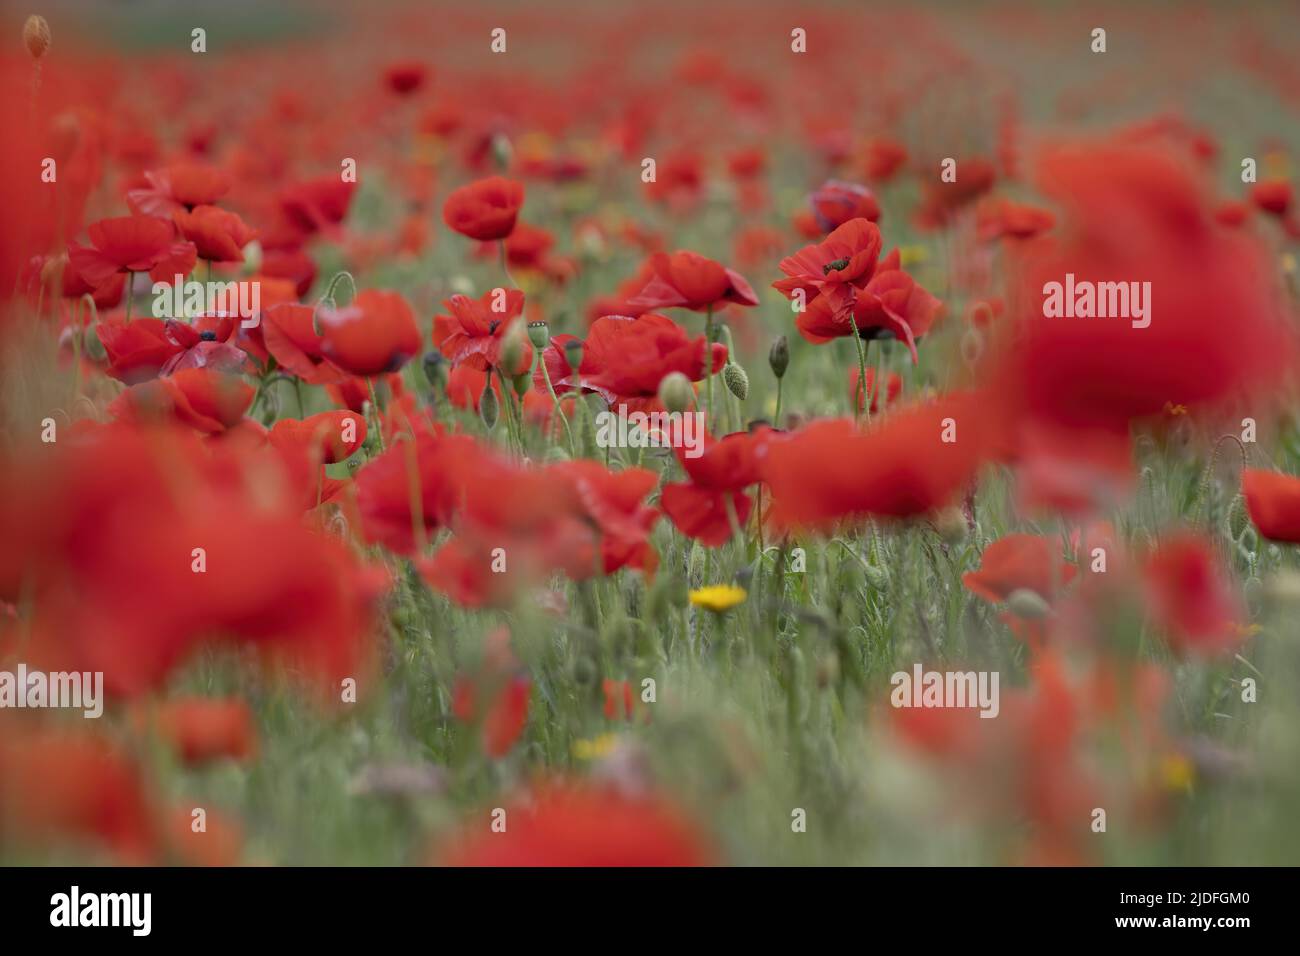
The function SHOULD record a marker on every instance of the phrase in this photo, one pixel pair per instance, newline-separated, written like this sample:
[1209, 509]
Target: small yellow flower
[1176, 772]
[718, 597]
[1246, 630]
[595, 748]
[912, 255]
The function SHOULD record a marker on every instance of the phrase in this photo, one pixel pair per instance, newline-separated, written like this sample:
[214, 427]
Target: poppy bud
[1027, 603]
[36, 36]
[521, 383]
[512, 347]
[489, 406]
[539, 333]
[676, 392]
[573, 355]
[779, 356]
[734, 377]
[435, 368]
[950, 524]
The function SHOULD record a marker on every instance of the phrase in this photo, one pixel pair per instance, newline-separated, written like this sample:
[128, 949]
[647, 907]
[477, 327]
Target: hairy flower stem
[708, 366]
[555, 400]
[505, 268]
[130, 294]
[859, 393]
[374, 407]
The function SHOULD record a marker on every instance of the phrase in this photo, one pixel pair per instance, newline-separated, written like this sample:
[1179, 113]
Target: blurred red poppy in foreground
[375, 334]
[915, 460]
[581, 825]
[1273, 501]
[1191, 597]
[1019, 561]
[131, 244]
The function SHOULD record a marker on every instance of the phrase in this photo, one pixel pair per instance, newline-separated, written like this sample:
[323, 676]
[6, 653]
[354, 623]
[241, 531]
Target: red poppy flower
[405, 77]
[858, 394]
[485, 210]
[630, 357]
[836, 202]
[472, 335]
[1140, 212]
[206, 344]
[613, 503]
[1273, 501]
[884, 158]
[975, 177]
[314, 205]
[373, 335]
[1003, 217]
[688, 280]
[499, 700]
[1273, 196]
[888, 305]
[1191, 597]
[131, 244]
[699, 508]
[834, 267]
[289, 332]
[572, 825]
[619, 702]
[217, 569]
[901, 466]
[61, 788]
[178, 188]
[203, 399]
[331, 436]
[137, 350]
[1020, 561]
[203, 729]
[218, 235]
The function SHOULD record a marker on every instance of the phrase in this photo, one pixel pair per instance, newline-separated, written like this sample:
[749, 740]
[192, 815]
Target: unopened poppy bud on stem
[36, 36]
[779, 356]
[539, 333]
[435, 368]
[734, 377]
[573, 355]
[489, 406]
[675, 392]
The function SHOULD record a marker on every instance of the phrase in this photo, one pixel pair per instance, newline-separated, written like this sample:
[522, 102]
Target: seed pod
[734, 377]
[435, 368]
[779, 356]
[676, 392]
[539, 333]
[573, 355]
[36, 36]
[489, 406]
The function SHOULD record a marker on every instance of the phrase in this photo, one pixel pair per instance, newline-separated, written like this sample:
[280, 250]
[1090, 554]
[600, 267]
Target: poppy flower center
[835, 266]
[492, 326]
[208, 336]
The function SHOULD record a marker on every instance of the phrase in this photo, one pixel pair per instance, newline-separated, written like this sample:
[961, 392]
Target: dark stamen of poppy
[834, 266]
[208, 336]
[492, 326]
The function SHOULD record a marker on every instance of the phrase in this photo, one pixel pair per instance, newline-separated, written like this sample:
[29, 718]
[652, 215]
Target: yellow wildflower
[718, 597]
